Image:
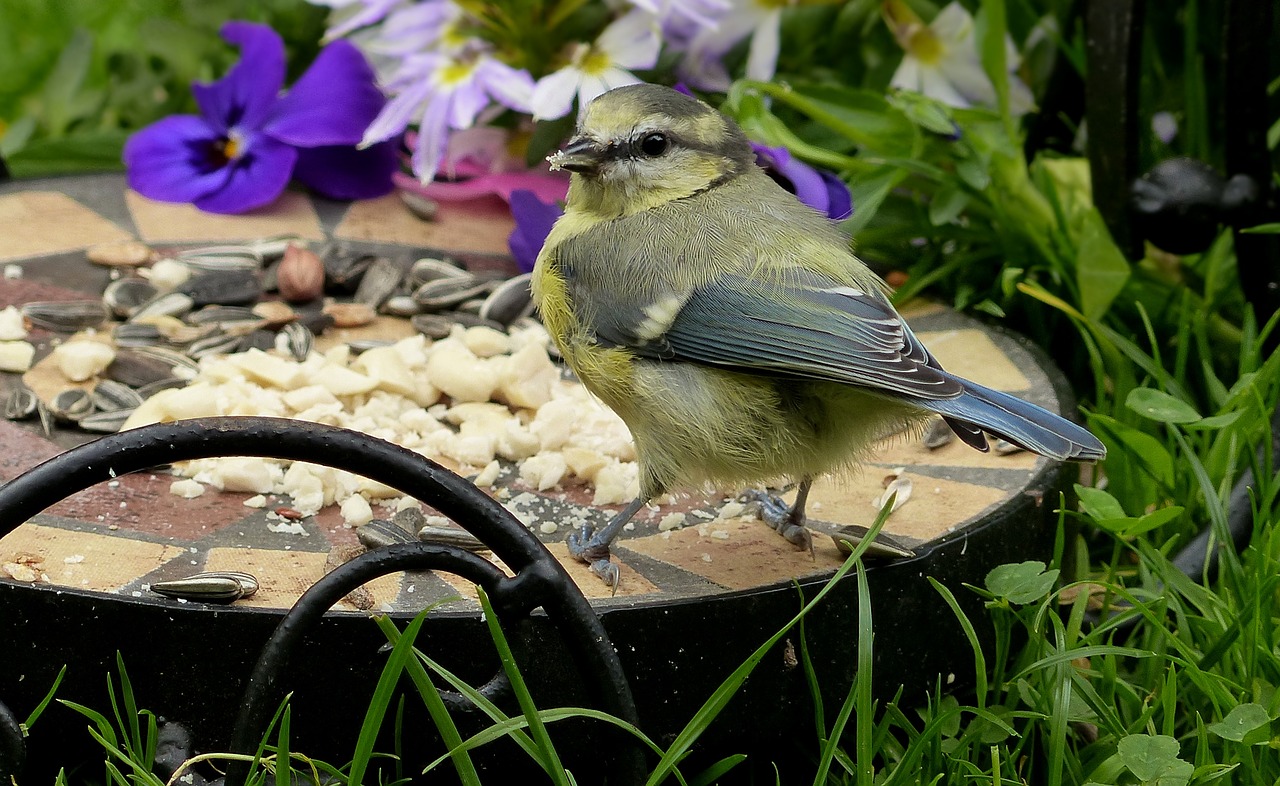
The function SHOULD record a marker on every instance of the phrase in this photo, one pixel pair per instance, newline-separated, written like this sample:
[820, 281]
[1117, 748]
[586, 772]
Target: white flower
[629, 43]
[760, 19]
[446, 93]
[681, 13]
[943, 63]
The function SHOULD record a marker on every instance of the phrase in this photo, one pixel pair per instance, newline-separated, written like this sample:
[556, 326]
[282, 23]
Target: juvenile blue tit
[729, 325]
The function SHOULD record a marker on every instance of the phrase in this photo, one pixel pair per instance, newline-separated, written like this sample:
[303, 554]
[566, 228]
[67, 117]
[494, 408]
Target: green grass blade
[720, 697]
[979, 658]
[44, 703]
[402, 656]
[284, 761]
[536, 728]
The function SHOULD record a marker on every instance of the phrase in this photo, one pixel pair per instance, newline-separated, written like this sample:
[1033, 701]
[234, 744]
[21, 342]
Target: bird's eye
[654, 144]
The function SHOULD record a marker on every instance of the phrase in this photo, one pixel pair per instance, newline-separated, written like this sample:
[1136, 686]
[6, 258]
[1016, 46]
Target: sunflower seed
[379, 282]
[110, 396]
[171, 304]
[344, 270]
[937, 434]
[446, 293]
[71, 404]
[211, 259]
[271, 248]
[223, 586]
[380, 532]
[400, 306]
[299, 340]
[123, 296]
[151, 388]
[419, 205]
[67, 316]
[217, 344]
[451, 536]
[1004, 447]
[139, 366]
[430, 269]
[20, 404]
[129, 334]
[105, 422]
[223, 288]
[851, 535]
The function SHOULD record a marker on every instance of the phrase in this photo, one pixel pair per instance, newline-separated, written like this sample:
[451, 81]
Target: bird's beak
[582, 155]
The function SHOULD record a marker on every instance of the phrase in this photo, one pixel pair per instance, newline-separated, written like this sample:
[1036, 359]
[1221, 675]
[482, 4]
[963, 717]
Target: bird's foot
[586, 546]
[784, 518]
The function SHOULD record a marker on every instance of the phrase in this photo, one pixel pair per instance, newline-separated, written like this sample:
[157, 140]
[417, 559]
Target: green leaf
[1264, 229]
[1143, 452]
[925, 112]
[1101, 270]
[868, 194]
[1098, 503]
[1160, 406]
[861, 116]
[1241, 723]
[1154, 520]
[1215, 422]
[1021, 583]
[1149, 756]
[947, 204]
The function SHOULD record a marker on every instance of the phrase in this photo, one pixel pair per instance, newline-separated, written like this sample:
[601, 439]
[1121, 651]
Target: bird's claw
[775, 512]
[584, 547]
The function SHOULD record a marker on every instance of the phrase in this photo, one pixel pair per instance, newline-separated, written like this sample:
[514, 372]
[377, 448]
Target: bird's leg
[788, 520]
[593, 549]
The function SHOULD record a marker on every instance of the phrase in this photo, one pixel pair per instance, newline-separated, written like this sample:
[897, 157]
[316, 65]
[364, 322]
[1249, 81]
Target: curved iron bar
[541, 579]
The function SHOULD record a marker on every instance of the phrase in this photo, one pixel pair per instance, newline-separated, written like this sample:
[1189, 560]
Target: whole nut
[300, 277]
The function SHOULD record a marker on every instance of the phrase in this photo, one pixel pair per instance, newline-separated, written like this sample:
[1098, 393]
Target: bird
[729, 325]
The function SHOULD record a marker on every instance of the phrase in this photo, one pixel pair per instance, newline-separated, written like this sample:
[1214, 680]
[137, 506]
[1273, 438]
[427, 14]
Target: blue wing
[811, 327]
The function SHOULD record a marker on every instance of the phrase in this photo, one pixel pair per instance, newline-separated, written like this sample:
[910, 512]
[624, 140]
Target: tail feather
[1020, 422]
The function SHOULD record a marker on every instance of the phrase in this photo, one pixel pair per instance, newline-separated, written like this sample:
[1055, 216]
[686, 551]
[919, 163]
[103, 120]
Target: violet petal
[839, 200]
[344, 172]
[177, 159]
[255, 178]
[331, 104]
[243, 97]
[534, 219]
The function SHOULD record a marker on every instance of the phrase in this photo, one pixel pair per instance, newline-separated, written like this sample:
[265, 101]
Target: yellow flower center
[911, 33]
[455, 73]
[924, 44]
[590, 60]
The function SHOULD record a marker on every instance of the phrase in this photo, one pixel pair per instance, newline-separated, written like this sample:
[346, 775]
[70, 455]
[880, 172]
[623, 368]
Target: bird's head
[640, 146]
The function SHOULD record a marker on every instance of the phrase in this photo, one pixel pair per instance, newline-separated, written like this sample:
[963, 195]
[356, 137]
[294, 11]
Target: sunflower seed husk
[174, 330]
[419, 205]
[129, 334]
[170, 304]
[139, 366]
[216, 344]
[438, 326]
[379, 282]
[380, 532]
[299, 340]
[882, 546]
[937, 434]
[223, 288]
[168, 383]
[361, 344]
[430, 269]
[1004, 447]
[46, 418]
[71, 404]
[67, 316]
[110, 396]
[400, 306]
[20, 404]
[343, 270]
[123, 296]
[222, 586]
[471, 306]
[211, 259]
[105, 422]
[446, 293]
[451, 536]
[509, 301]
[272, 248]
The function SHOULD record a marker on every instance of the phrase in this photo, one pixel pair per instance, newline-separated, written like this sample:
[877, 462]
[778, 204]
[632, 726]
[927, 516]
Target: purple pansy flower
[534, 219]
[249, 140]
[817, 188]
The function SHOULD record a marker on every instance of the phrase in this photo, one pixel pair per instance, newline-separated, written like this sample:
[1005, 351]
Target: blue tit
[729, 325]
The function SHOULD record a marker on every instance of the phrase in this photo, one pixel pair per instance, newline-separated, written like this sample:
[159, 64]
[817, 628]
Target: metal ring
[540, 578]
